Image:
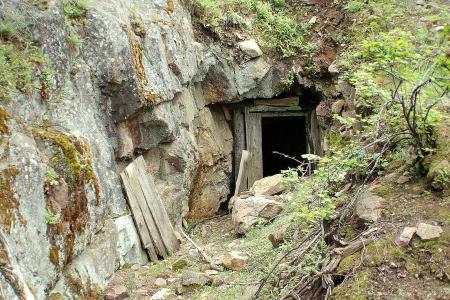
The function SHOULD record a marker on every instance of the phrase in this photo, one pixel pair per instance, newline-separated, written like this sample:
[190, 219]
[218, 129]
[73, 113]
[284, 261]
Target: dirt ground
[382, 270]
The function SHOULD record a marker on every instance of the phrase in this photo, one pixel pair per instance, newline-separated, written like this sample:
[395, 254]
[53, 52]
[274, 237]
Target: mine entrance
[267, 125]
[283, 138]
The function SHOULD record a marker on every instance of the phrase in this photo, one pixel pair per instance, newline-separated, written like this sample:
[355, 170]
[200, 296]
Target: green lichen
[75, 155]
[73, 162]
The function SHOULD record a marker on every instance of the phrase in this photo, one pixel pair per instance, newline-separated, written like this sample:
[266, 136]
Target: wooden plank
[254, 146]
[135, 176]
[164, 226]
[138, 217]
[266, 108]
[283, 114]
[238, 139]
[226, 112]
[242, 177]
[290, 101]
[148, 209]
[315, 134]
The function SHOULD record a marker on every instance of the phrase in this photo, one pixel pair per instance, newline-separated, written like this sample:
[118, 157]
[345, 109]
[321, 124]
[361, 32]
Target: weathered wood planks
[254, 146]
[241, 182]
[152, 221]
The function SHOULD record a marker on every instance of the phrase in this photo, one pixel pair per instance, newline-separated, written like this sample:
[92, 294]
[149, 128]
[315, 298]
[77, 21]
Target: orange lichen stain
[4, 116]
[170, 6]
[137, 55]
[54, 255]
[8, 201]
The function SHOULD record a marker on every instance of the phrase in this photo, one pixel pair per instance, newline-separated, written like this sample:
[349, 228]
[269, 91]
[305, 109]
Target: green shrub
[74, 39]
[52, 218]
[75, 8]
[7, 29]
[52, 177]
[354, 6]
[264, 11]
[16, 69]
[279, 3]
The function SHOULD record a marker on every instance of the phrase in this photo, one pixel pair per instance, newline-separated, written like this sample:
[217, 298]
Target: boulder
[161, 282]
[278, 237]
[160, 295]
[369, 207]
[211, 272]
[268, 186]
[253, 209]
[117, 293]
[405, 236]
[428, 232]
[251, 48]
[333, 68]
[403, 179]
[191, 278]
[338, 106]
[234, 260]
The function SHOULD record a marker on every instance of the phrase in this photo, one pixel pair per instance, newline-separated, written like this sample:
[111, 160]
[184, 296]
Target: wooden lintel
[290, 101]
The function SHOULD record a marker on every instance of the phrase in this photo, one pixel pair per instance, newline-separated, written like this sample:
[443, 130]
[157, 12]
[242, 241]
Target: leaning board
[152, 221]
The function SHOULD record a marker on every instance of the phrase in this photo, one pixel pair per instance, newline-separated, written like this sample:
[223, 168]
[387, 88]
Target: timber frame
[247, 130]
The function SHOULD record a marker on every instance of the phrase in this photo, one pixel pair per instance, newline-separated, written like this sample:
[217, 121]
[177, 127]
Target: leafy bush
[399, 76]
[313, 198]
[52, 218]
[52, 177]
[354, 6]
[7, 29]
[75, 8]
[16, 69]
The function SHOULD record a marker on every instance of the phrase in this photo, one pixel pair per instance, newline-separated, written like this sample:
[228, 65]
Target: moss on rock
[373, 255]
[355, 289]
[72, 160]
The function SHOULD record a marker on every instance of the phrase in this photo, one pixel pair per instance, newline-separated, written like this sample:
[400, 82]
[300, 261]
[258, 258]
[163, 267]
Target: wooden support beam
[290, 101]
[242, 177]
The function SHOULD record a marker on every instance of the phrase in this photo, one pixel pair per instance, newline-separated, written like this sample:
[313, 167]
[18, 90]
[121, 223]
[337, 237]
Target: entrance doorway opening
[286, 135]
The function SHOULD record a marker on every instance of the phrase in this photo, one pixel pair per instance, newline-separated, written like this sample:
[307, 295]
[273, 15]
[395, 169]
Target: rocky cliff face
[128, 78]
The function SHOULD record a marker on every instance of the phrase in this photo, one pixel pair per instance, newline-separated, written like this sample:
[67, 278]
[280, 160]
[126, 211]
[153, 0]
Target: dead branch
[203, 253]
[316, 233]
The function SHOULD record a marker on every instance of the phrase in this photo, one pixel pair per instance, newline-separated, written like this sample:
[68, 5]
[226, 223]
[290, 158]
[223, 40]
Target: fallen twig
[203, 253]
[315, 233]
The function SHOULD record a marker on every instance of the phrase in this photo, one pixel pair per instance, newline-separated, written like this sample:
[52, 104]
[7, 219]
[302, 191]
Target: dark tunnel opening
[286, 135]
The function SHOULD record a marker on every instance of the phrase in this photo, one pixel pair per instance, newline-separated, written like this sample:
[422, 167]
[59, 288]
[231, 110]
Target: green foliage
[7, 29]
[75, 8]
[74, 39]
[354, 6]
[313, 199]
[442, 178]
[52, 177]
[16, 70]
[285, 83]
[279, 3]
[52, 218]
[399, 75]
[276, 27]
